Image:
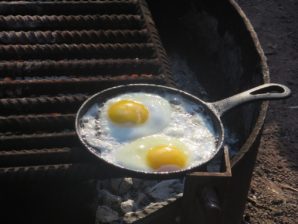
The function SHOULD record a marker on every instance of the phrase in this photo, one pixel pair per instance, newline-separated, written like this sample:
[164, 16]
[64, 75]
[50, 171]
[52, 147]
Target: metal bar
[239, 186]
[69, 22]
[211, 205]
[75, 78]
[68, 67]
[64, 172]
[126, 55]
[73, 85]
[35, 105]
[155, 39]
[200, 210]
[51, 140]
[74, 36]
[68, 8]
[20, 157]
[36, 123]
[21, 152]
[76, 51]
[164, 213]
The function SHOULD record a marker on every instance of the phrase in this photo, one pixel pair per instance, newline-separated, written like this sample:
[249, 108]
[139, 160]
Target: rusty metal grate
[53, 55]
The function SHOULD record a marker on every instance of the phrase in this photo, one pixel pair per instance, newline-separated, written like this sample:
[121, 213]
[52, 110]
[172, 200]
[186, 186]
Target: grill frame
[242, 163]
[228, 17]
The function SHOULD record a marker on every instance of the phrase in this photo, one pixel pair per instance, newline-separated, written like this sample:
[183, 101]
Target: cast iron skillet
[213, 111]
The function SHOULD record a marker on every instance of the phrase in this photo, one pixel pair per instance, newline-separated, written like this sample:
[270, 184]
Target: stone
[165, 189]
[137, 183]
[103, 184]
[130, 199]
[277, 201]
[142, 199]
[127, 206]
[109, 199]
[105, 214]
[121, 186]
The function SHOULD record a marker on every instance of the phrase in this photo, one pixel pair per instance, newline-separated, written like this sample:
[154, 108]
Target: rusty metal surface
[74, 36]
[55, 54]
[41, 104]
[68, 7]
[69, 67]
[76, 85]
[52, 22]
[62, 51]
[206, 192]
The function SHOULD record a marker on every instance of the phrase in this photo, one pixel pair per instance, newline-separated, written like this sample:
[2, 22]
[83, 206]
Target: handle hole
[269, 89]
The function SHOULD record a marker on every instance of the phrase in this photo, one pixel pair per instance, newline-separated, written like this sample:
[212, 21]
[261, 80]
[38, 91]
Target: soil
[273, 197]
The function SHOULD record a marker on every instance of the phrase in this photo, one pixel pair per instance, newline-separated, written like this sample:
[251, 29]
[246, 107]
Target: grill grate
[53, 55]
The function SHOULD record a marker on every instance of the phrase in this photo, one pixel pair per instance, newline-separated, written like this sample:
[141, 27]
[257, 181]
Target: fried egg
[154, 153]
[134, 115]
[166, 132]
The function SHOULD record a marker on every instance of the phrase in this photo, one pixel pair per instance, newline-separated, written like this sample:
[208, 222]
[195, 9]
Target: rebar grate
[53, 55]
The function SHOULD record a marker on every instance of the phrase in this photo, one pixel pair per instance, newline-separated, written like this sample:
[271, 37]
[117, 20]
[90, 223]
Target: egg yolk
[160, 156]
[128, 112]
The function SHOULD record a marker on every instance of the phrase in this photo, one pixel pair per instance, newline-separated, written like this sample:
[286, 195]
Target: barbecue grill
[55, 54]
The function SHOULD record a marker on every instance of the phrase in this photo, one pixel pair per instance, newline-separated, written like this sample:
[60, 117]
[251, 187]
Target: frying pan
[213, 111]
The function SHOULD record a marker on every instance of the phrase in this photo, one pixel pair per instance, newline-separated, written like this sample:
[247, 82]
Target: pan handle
[270, 91]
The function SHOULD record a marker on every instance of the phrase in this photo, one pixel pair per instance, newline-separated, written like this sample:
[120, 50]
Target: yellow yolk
[160, 156]
[128, 112]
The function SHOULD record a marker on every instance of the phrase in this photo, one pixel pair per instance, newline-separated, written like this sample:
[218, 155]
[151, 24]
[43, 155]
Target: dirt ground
[273, 196]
